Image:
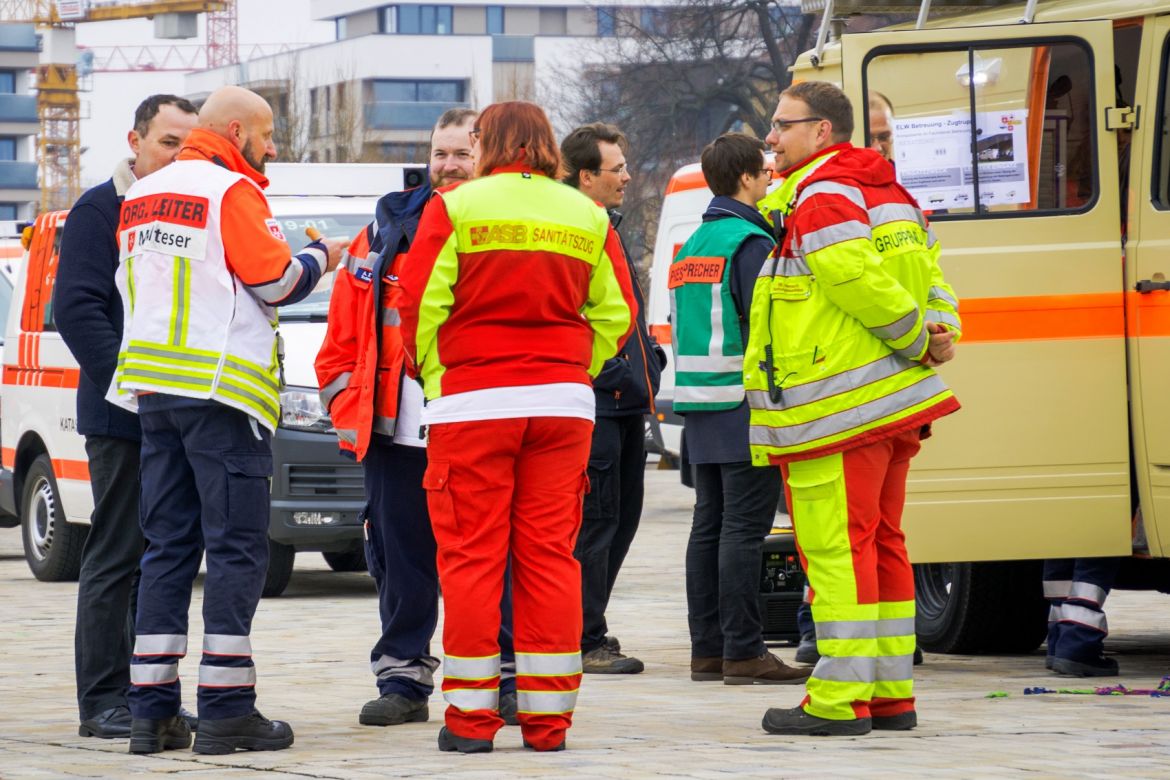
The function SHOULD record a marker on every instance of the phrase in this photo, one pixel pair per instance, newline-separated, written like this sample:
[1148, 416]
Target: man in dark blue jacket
[88, 313]
[595, 163]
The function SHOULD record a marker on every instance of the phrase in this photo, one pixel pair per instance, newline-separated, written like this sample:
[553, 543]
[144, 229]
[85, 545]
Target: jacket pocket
[597, 487]
[437, 484]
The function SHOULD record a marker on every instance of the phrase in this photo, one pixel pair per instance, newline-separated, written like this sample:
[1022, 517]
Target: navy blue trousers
[400, 553]
[1076, 589]
[205, 472]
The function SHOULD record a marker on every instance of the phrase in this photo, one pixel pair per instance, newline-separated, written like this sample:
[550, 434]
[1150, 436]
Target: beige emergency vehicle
[1034, 135]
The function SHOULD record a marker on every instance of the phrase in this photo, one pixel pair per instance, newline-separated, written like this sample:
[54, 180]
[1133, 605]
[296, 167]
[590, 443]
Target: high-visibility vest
[705, 325]
[838, 319]
[191, 328]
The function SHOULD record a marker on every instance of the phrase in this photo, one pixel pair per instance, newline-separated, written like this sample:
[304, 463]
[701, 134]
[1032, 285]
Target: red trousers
[494, 488]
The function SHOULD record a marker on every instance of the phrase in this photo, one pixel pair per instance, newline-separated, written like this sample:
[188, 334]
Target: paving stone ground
[312, 646]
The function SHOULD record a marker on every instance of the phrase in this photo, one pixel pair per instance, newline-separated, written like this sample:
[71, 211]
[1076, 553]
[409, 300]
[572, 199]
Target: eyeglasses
[475, 133]
[780, 125]
[618, 170]
[883, 138]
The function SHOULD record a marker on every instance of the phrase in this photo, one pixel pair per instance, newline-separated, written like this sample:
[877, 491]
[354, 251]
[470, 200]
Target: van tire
[980, 607]
[52, 546]
[280, 567]
[353, 559]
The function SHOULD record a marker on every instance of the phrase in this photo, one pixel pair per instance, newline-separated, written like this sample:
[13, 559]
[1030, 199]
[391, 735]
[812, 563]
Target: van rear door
[1000, 134]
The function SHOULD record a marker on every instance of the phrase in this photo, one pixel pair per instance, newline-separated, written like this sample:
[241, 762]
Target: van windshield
[316, 306]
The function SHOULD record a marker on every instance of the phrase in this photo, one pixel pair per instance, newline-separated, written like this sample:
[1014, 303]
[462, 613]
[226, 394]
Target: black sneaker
[806, 652]
[449, 742]
[613, 644]
[155, 736]
[113, 723]
[903, 721]
[191, 718]
[797, 722]
[392, 709]
[245, 732]
[605, 661]
[510, 708]
[918, 659]
[1101, 667]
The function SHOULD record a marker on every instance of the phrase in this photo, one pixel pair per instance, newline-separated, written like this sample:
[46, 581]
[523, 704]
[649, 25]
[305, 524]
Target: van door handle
[1149, 285]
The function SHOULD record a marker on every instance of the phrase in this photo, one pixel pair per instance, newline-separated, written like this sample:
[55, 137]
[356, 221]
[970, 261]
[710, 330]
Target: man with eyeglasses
[849, 319]
[881, 125]
[594, 161]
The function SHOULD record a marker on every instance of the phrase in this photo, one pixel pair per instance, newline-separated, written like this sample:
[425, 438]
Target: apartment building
[19, 193]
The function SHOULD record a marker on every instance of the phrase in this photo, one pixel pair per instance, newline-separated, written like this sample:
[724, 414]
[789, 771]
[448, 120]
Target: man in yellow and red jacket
[848, 320]
[375, 412]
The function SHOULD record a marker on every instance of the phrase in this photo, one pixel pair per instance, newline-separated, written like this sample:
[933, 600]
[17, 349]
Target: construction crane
[58, 103]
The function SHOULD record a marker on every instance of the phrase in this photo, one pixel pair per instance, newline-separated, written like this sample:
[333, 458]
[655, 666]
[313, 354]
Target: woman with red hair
[515, 293]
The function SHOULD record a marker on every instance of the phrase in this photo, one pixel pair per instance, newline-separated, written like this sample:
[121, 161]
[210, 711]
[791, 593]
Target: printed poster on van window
[933, 158]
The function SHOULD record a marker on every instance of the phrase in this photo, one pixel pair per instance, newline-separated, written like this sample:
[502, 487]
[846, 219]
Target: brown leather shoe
[706, 669]
[765, 670]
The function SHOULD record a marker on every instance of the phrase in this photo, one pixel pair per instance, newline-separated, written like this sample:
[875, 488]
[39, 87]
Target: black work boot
[613, 644]
[1099, 667]
[903, 721]
[392, 709]
[449, 742]
[155, 736]
[602, 660]
[797, 722]
[244, 732]
[510, 708]
[113, 723]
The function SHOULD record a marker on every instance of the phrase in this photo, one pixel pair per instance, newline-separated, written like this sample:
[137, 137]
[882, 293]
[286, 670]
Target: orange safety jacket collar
[203, 144]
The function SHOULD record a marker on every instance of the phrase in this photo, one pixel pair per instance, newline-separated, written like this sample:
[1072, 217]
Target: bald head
[244, 119]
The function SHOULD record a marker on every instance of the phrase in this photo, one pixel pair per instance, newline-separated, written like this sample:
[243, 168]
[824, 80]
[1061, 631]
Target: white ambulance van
[317, 495]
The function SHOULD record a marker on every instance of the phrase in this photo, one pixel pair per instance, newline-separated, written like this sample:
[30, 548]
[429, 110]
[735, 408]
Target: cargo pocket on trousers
[247, 501]
[820, 512]
[437, 483]
[598, 490]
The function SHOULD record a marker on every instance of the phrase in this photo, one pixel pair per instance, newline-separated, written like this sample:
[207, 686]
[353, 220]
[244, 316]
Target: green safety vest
[706, 333]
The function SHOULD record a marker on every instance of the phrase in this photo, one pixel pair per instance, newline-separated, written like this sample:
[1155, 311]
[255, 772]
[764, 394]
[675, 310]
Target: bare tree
[290, 114]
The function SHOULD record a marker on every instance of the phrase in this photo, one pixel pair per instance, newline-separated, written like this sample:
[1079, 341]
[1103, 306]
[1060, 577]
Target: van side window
[1161, 177]
[1031, 147]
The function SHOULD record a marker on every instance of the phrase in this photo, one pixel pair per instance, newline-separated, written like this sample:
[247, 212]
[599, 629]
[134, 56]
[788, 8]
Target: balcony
[19, 37]
[18, 175]
[18, 108]
[406, 115]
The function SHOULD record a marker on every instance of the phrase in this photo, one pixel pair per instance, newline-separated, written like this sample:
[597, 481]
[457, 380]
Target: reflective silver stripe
[265, 379]
[788, 266]
[894, 668]
[184, 356]
[391, 318]
[1057, 589]
[153, 674]
[939, 294]
[322, 258]
[546, 702]
[898, 328]
[946, 318]
[279, 289]
[715, 346]
[1086, 591]
[915, 349]
[903, 626]
[1054, 613]
[847, 629]
[482, 668]
[385, 425]
[548, 664]
[931, 238]
[468, 699]
[847, 419]
[834, 234]
[708, 395]
[160, 644]
[1074, 613]
[832, 188]
[353, 264]
[180, 308]
[226, 676]
[330, 391]
[346, 435]
[419, 669]
[798, 395]
[849, 668]
[227, 644]
[895, 212]
[719, 364]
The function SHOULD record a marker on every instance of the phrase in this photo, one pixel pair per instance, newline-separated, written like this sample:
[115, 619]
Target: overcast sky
[108, 110]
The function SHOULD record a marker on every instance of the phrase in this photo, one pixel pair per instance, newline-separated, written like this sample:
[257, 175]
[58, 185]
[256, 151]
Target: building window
[7, 81]
[342, 28]
[495, 19]
[8, 210]
[606, 22]
[654, 21]
[404, 152]
[396, 91]
[417, 19]
[553, 21]
[7, 148]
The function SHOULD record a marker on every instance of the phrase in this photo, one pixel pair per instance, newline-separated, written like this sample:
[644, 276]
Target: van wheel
[280, 567]
[52, 546]
[980, 607]
[353, 559]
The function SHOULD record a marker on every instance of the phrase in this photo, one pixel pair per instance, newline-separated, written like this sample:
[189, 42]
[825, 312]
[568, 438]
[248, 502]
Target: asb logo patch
[274, 228]
[498, 234]
[365, 274]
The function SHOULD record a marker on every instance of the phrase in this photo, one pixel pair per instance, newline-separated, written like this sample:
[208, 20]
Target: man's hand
[335, 247]
[942, 345]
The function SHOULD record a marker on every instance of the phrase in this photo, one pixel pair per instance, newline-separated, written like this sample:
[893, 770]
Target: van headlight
[301, 409]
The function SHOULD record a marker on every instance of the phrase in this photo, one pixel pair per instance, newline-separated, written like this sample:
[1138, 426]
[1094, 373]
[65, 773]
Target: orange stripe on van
[26, 376]
[1043, 317]
[8, 458]
[71, 469]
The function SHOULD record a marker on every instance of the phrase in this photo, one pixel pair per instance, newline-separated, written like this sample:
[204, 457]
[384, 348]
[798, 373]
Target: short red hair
[516, 132]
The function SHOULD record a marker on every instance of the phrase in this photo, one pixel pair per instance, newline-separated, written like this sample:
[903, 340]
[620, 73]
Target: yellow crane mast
[58, 104]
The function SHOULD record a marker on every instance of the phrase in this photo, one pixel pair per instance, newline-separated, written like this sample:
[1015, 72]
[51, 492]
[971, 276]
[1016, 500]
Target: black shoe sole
[611, 670]
[903, 722]
[89, 731]
[451, 743]
[152, 744]
[219, 746]
[763, 681]
[832, 728]
[374, 719]
[1067, 668]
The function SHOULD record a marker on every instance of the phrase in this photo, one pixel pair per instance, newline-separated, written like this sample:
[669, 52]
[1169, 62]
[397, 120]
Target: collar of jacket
[724, 207]
[203, 144]
[516, 167]
[124, 176]
[783, 198]
[615, 217]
